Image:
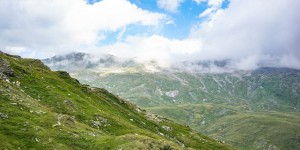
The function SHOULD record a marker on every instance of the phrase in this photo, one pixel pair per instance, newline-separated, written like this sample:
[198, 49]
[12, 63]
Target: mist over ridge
[76, 61]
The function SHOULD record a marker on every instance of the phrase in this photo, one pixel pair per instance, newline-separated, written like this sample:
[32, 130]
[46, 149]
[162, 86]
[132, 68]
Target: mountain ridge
[245, 109]
[43, 109]
[89, 61]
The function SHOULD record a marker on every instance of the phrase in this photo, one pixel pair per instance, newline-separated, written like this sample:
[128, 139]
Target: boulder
[5, 69]
[66, 120]
[3, 116]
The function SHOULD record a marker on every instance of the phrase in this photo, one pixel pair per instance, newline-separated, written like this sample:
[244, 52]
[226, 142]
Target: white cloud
[67, 24]
[153, 48]
[170, 5]
[249, 33]
[121, 33]
[252, 31]
[214, 6]
[217, 3]
[207, 12]
[248, 63]
[199, 1]
[290, 61]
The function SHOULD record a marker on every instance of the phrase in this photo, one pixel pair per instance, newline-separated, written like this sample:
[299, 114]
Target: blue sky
[251, 33]
[186, 16]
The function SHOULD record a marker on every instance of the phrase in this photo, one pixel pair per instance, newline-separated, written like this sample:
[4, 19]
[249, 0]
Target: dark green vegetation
[247, 109]
[42, 109]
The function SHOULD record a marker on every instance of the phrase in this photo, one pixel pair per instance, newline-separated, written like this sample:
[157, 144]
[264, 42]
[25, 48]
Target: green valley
[43, 109]
[256, 109]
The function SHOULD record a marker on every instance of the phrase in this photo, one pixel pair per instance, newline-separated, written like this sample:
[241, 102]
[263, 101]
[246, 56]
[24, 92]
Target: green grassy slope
[42, 109]
[254, 91]
[244, 130]
[259, 109]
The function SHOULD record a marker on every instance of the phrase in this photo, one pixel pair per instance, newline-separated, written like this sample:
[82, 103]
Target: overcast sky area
[250, 33]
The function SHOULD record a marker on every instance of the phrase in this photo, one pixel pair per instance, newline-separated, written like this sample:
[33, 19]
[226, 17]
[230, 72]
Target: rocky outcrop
[66, 120]
[5, 69]
[3, 116]
[100, 122]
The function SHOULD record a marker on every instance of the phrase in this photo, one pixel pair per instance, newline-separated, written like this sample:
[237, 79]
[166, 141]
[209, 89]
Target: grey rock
[66, 120]
[3, 116]
[100, 122]
[5, 69]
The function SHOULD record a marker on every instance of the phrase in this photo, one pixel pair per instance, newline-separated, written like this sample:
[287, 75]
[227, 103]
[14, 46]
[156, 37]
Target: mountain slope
[256, 109]
[254, 90]
[42, 109]
[247, 110]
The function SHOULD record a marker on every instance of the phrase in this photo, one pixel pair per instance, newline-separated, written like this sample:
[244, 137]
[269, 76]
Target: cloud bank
[252, 32]
[56, 25]
[154, 48]
[249, 33]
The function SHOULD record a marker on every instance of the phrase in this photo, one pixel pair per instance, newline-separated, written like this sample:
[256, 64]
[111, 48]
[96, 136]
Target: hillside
[245, 110]
[42, 109]
[256, 109]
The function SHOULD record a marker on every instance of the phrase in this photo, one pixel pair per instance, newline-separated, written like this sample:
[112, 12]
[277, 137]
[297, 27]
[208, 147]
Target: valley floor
[243, 130]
